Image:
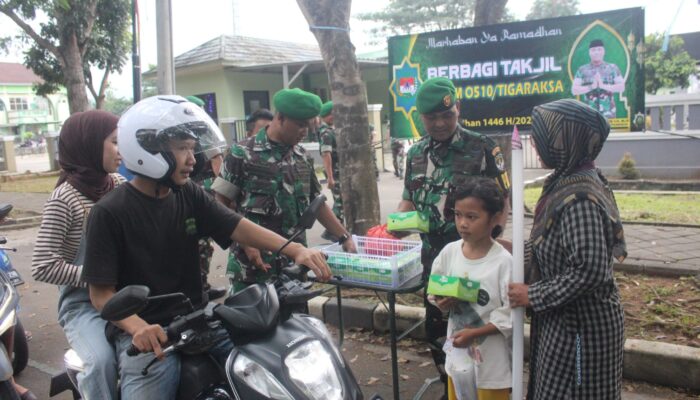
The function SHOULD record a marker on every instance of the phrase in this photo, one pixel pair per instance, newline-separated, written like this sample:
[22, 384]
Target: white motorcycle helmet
[145, 129]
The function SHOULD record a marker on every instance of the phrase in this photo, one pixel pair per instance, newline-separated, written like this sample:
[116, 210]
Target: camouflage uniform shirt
[599, 99]
[434, 170]
[271, 185]
[328, 143]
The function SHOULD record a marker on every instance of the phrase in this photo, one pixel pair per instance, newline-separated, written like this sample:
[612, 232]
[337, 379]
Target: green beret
[297, 104]
[435, 94]
[196, 100]
[326, 108]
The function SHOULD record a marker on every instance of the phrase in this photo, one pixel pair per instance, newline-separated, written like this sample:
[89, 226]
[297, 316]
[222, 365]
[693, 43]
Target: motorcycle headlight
[260, 379]
[313, 372]
[321, 327]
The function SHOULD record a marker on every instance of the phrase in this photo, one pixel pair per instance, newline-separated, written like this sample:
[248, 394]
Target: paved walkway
[658, 249]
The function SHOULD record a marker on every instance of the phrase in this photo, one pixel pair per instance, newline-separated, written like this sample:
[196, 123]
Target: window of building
[18, 104]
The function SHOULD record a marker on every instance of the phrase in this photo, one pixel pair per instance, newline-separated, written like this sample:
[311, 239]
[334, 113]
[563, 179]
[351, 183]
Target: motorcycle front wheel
[20, 356]
[7, 391]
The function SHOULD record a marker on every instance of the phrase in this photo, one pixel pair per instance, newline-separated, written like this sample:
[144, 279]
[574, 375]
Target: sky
[196, 22]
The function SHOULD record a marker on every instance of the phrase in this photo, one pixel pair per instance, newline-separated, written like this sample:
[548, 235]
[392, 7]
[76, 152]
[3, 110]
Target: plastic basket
[379, 262]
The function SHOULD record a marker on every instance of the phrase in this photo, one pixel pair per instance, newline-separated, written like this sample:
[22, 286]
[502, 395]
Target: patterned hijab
[80, 152]
[568, 136]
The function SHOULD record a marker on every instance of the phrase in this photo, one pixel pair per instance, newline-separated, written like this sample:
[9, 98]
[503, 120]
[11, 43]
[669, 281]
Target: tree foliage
[412, 16]
[404, 16]
[668, 69]
[553, 8]
[115, 105]
[75, 36]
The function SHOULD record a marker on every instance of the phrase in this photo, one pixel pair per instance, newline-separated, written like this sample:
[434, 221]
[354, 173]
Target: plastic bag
[380, 231]
[380, 247]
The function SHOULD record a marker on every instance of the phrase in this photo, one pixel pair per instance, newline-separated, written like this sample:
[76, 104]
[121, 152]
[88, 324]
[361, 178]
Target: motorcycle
[14, 352]
[280, 351]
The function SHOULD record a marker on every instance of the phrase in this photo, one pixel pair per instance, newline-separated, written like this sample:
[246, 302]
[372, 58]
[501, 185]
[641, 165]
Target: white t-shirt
[493, 272]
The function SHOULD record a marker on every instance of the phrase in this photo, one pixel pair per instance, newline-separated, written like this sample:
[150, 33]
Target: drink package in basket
[382, 262]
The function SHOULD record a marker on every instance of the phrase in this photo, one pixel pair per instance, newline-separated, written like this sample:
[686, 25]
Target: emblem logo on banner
[404, 86]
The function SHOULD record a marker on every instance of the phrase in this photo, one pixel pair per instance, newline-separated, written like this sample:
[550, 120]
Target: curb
[21, 223]
[656, 269]
[654, 362]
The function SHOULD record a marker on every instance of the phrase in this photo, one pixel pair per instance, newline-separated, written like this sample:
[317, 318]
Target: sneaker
[329, 236]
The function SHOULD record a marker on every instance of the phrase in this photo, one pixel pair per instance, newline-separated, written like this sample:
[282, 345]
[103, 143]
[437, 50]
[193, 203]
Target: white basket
[379, 262]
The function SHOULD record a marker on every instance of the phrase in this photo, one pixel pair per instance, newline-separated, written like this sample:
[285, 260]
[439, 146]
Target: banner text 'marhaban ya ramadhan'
[502, 71]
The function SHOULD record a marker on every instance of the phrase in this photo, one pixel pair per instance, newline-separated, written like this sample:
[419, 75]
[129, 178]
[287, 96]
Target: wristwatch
[343, 238]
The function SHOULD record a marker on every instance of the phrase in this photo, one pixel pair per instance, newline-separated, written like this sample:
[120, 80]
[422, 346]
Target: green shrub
[627, 167]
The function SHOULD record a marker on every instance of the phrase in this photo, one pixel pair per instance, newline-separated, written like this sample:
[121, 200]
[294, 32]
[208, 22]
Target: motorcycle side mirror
[307, 219]
[126, 302]
[5, 210]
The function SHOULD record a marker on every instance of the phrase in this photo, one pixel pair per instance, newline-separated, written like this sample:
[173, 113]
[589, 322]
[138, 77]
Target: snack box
[411, 221]
[452, 286]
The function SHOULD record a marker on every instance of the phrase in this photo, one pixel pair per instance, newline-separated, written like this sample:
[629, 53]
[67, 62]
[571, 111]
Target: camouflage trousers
[337, 202]
[397, 158]
[206, 250]
[240, 275]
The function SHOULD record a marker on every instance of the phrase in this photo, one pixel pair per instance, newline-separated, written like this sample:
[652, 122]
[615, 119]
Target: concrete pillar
[164, 39]
[375, 118]
[8, 154]
[52, 149]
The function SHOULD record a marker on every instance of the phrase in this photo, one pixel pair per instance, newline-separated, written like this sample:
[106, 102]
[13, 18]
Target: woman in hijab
[577, 331]
[89, 158]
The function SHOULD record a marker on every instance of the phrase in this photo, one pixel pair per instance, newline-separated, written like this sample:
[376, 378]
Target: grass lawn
[43, 184]
[670, 208]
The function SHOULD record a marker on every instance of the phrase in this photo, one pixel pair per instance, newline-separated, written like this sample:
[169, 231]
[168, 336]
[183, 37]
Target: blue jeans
[163, 376]
[85, 331]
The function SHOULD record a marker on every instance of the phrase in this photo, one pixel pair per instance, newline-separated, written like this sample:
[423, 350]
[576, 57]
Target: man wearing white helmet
[146, 233]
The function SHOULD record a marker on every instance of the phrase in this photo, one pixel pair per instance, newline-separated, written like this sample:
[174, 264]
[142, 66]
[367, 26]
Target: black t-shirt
[135, 239]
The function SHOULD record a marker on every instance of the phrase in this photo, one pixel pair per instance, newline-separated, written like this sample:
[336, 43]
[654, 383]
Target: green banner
[502, 71]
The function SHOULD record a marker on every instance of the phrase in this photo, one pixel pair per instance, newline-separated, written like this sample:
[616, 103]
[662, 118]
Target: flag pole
[518, 188]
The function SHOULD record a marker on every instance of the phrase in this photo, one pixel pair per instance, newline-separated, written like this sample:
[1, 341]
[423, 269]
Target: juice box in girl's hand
[452, 286]
[411, 221]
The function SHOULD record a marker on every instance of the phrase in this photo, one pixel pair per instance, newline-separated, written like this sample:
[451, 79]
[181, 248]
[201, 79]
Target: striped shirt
[59, 235]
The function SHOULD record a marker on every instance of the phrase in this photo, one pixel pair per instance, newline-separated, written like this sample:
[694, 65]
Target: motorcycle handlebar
[295, 270]
[172, 331]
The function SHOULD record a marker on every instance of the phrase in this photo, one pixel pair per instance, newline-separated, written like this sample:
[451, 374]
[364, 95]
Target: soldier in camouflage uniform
[203, 175]
[329, 154]
[599, 81]
[269, 180]
[373, 151]
[436, 166]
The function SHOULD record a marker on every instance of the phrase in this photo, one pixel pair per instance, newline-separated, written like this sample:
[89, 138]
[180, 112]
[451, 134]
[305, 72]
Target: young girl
[477, 345]
[88, 154]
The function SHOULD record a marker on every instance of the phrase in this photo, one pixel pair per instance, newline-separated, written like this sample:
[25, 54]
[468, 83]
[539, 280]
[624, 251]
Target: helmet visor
[201, 128]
